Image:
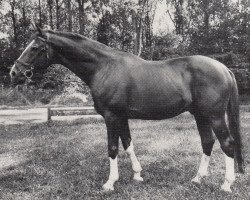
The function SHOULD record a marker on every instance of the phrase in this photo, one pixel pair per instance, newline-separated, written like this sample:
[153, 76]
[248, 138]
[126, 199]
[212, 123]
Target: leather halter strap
[28, 73]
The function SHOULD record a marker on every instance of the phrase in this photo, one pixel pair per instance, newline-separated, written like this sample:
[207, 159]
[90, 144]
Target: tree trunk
[178, 18]
[57, 15]
[139, 37]
[40, 13]
[50, 8]
[206, 11]
[25, 23]
[13, 17]
[134, 19]
[68, 5]
[148, 34]
[206, 21]
[138, 24]
[23, 13]
[206, 16]
[81, 16]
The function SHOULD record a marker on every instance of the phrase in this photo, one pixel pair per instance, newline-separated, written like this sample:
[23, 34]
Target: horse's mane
[77, 38]
[69, 35]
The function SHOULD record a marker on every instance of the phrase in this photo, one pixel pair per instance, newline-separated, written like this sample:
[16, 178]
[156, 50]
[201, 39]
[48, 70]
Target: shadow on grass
[55, 172]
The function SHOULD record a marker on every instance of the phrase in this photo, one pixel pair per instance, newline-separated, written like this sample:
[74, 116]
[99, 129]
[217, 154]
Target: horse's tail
[234, 125]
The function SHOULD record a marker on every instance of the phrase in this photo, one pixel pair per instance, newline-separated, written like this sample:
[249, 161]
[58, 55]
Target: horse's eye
[34, 47]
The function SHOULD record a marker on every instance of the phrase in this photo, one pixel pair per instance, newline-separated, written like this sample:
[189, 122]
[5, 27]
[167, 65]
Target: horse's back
[192, 83]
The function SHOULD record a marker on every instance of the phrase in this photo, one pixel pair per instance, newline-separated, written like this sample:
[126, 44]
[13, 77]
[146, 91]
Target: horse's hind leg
[227, 145]
[129, 148]
[207, 142]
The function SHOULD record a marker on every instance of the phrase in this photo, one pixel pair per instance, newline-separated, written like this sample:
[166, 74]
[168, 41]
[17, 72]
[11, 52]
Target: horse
[125, 86]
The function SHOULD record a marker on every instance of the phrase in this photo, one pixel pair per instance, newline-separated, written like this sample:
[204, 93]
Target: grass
[69, 161]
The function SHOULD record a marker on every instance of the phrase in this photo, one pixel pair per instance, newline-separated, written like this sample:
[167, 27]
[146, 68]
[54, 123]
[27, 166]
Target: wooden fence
[21, 115]
[71, 111]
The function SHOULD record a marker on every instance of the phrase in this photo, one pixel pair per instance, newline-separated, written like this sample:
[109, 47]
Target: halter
[28, 73]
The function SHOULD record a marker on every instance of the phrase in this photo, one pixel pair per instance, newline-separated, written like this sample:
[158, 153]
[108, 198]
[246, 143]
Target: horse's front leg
[113, 124]
[129, 148]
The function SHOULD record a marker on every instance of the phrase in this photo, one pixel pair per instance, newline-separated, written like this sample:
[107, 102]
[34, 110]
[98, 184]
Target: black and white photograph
[124, 99]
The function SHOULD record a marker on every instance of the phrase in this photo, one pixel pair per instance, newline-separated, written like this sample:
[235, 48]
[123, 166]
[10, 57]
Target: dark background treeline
[216, 28]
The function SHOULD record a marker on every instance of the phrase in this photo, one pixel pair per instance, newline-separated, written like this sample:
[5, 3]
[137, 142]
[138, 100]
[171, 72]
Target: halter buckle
[28, 73]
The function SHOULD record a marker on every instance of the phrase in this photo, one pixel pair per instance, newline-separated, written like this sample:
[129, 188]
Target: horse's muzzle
[17, 79]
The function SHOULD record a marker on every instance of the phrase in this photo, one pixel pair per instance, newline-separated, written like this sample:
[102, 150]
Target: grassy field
[69, 161]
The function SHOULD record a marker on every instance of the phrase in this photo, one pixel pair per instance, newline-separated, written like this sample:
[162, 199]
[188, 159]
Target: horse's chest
[111, 96]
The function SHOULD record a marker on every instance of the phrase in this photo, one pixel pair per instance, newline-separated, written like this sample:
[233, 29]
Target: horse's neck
[81, 57]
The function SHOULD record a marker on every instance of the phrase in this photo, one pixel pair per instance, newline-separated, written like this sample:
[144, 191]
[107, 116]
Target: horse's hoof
[196, 180]
[139, 179]
[107, 187]
[226, 188]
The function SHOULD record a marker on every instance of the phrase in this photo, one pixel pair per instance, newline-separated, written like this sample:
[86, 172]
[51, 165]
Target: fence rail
[22, 115]
[71, 111]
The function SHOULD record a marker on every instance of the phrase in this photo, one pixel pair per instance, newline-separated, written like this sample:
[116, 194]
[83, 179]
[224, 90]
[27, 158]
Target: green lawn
[69, 161]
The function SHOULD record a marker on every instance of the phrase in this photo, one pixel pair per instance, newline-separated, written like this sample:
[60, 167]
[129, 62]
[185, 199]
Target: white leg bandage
[203, 169]
[229, 175]
[136, 166]
[113, 175]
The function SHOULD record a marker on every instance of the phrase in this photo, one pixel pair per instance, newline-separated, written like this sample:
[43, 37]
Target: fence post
[48, 115]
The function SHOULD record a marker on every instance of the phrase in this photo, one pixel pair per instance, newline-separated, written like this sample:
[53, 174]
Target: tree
[50, 11]
[104, 29]
[81, 18]
[14, 22]
[137, 17]
[203, 27]
[205, 19]
[24, 23]
[40, 13]
[179, 18]
[69, 14]
[58, 14]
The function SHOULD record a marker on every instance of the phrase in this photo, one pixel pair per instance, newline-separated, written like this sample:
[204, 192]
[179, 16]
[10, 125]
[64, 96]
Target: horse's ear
[33, 25]
[40, 31]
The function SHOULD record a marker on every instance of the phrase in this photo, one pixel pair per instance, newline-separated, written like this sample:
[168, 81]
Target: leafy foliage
[200, 27]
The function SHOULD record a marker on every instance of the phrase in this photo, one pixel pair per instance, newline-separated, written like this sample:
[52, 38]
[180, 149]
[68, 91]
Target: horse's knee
[126, 141]
[207, 147]
[227, 146]
[113, 151]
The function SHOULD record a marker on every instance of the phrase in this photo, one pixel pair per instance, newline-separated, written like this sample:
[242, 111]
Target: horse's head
[34, 58]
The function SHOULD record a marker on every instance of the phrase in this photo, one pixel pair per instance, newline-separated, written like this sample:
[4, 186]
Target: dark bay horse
[124, 86]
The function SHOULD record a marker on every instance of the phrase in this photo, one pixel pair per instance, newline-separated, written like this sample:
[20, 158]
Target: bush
[165, 46]
[227, 59]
